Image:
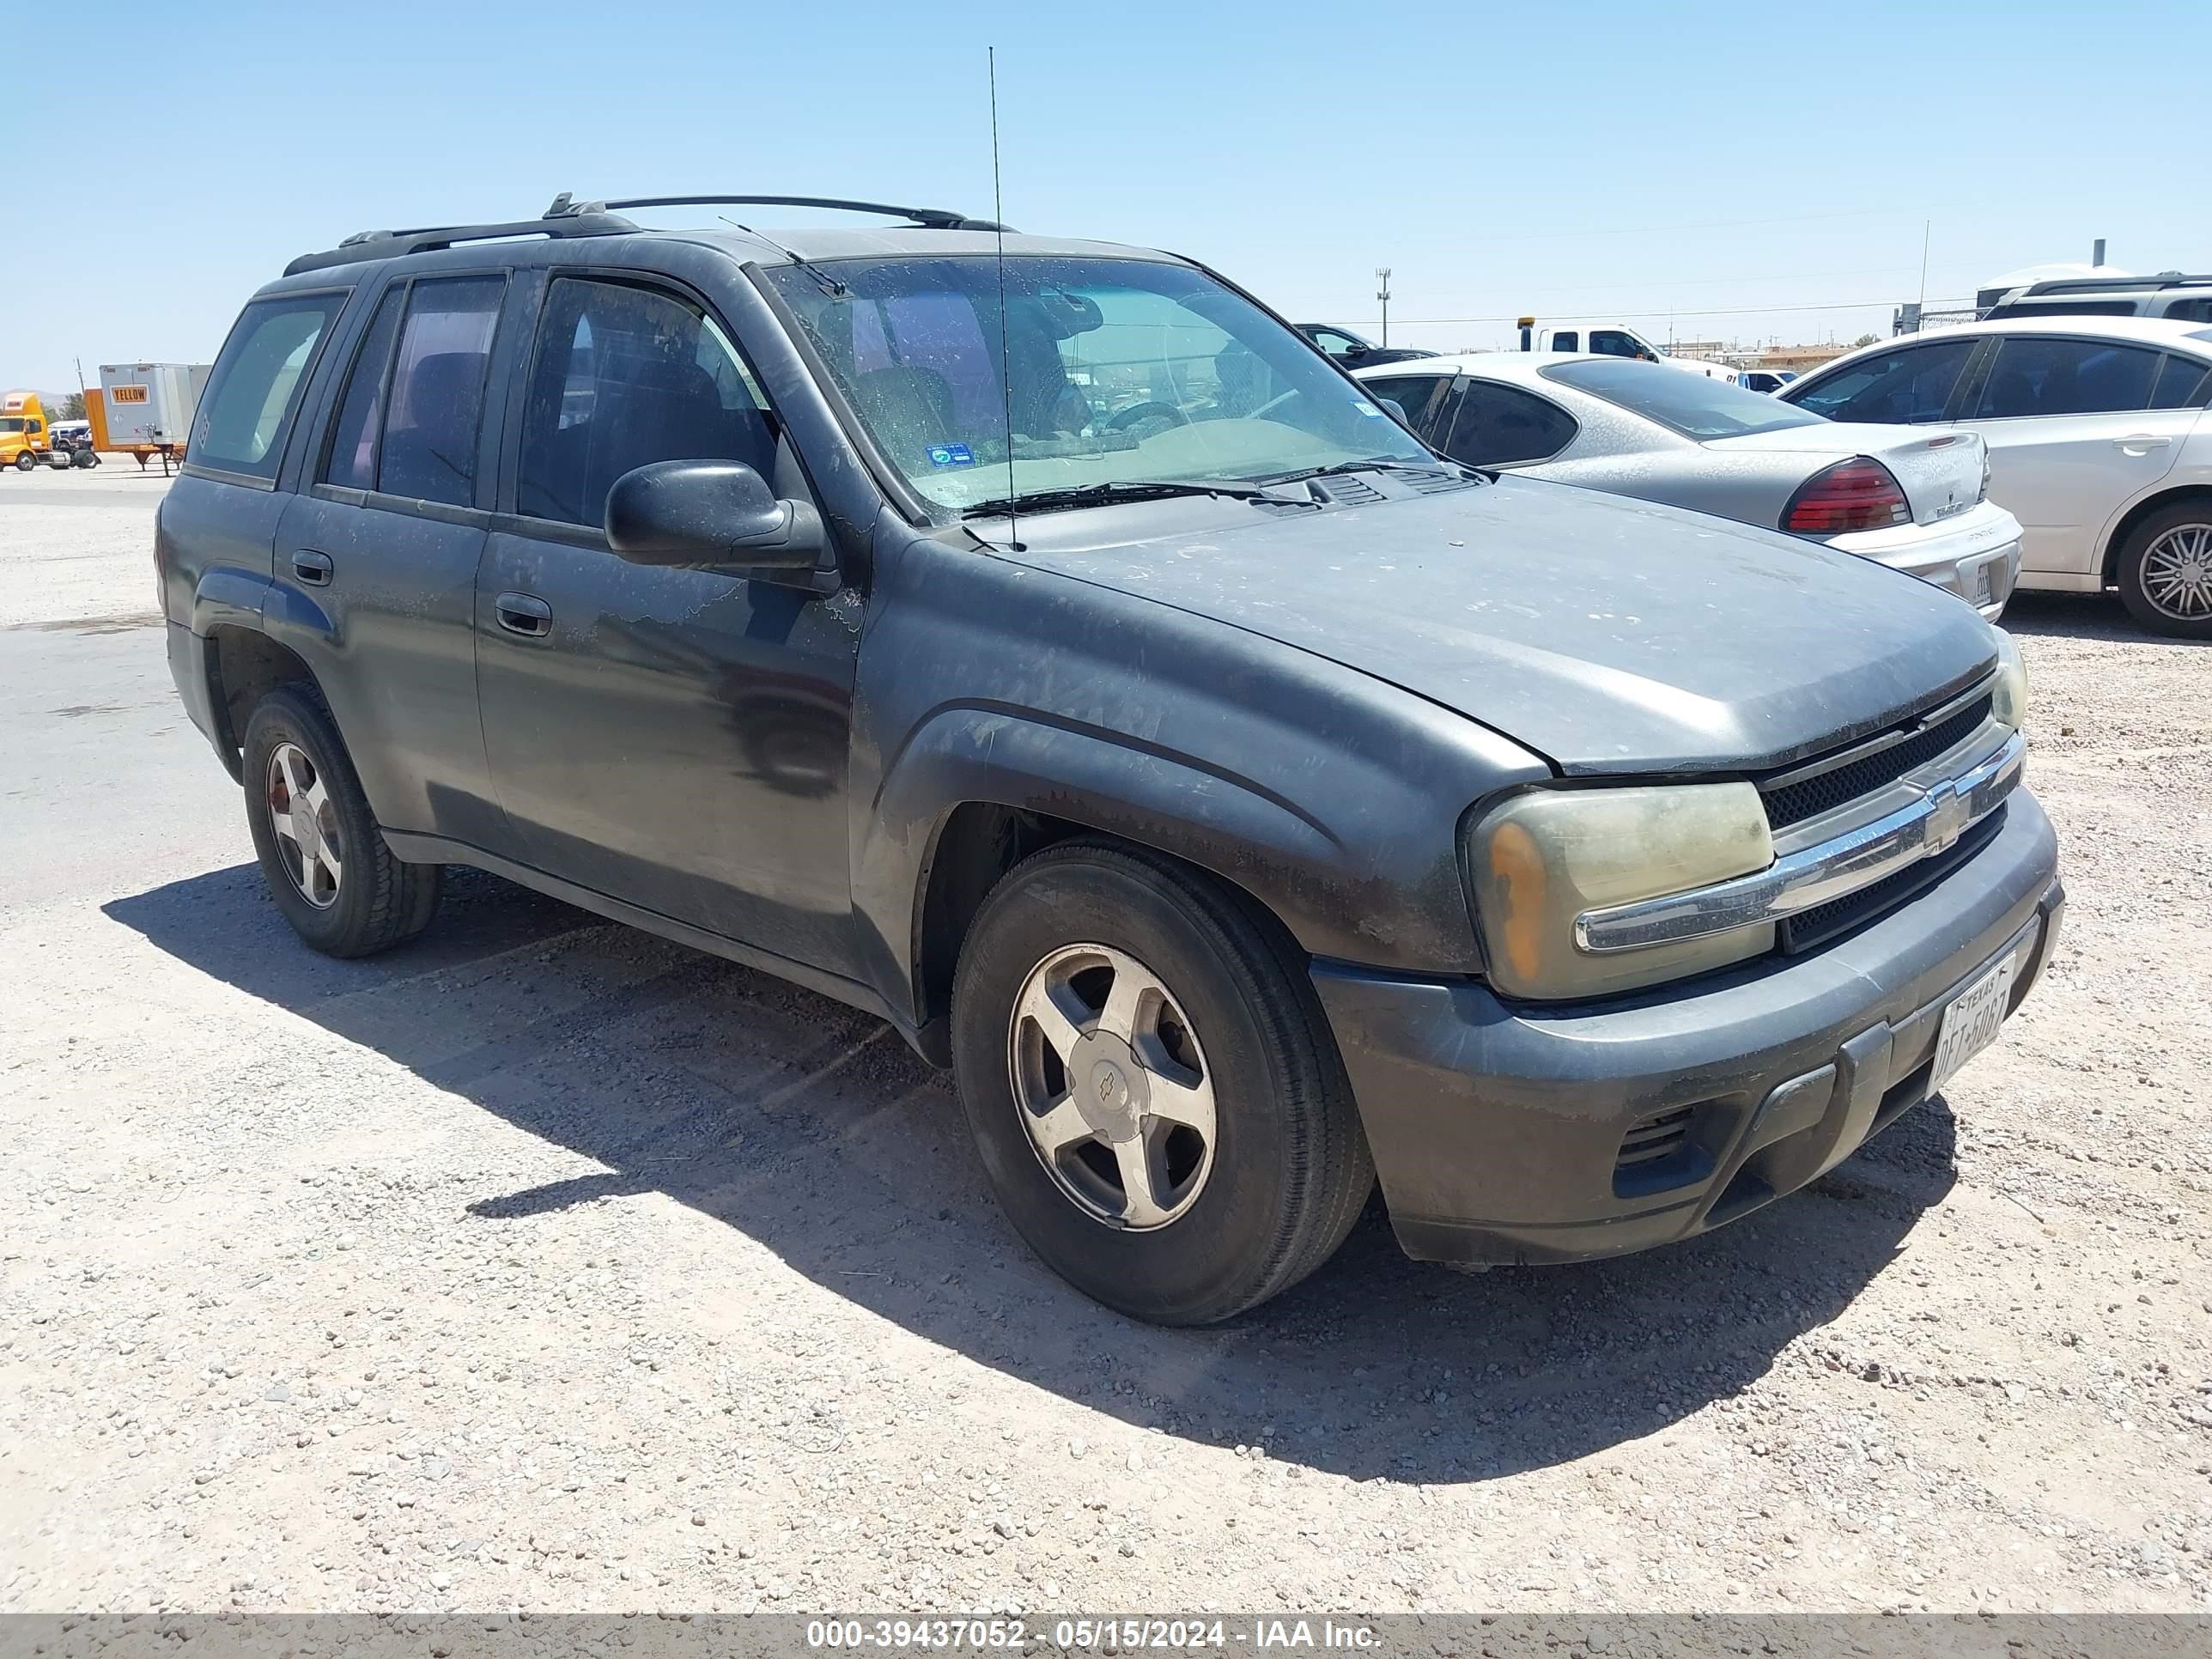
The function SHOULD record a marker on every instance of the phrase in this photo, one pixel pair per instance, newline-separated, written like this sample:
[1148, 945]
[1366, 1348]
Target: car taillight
[1855, 495]
[1984, 496]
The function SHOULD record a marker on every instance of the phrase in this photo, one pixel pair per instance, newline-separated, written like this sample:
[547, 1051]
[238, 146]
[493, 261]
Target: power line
[1712, 311]
[1716, 224]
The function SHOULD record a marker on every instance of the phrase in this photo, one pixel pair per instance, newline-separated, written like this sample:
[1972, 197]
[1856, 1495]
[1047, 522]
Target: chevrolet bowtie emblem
[1947, 818]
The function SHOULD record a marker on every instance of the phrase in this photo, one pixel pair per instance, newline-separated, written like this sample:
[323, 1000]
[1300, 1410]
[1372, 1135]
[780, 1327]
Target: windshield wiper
[1372, 464]
[1102, 495]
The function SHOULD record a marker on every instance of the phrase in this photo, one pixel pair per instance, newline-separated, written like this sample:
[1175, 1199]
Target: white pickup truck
[1614, 340]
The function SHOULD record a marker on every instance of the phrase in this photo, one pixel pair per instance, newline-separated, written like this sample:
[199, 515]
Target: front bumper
[1499, 1128]
[1975, 554]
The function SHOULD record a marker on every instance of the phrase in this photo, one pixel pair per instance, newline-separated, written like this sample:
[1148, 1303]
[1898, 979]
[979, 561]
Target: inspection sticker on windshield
[1366, 407]
[951, 455]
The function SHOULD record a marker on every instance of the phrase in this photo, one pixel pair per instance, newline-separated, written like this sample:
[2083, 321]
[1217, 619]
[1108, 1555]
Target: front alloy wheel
[1153, 1088]
[1112, 1086]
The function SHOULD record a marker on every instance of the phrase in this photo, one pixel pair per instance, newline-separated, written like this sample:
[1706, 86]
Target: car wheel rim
[1112, 1087]
[306, 823]
[2177, 573]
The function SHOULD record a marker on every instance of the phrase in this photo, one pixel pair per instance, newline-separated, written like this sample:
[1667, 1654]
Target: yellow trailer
[95, 410]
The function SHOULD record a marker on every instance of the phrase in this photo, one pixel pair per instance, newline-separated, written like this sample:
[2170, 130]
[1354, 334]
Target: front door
[2071, 437]
[673, 739]
[376, 556]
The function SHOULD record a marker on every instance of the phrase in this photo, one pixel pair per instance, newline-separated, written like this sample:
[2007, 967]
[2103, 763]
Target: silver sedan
[1905, 496]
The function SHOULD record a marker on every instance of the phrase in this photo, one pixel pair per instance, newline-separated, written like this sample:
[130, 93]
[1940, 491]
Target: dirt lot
[547, 1265]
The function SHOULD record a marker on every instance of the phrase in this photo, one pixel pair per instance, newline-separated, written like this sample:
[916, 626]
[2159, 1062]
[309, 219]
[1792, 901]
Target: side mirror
[1396, 409]
[715, 512]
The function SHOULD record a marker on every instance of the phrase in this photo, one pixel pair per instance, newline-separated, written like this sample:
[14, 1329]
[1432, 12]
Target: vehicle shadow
[2079, 616]
[814, 1130]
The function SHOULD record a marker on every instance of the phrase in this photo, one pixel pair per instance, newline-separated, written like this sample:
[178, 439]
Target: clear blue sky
[1572, 159]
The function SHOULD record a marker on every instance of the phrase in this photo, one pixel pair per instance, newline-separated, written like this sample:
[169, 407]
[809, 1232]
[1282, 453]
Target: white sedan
[2100, 441]
[1909, 498]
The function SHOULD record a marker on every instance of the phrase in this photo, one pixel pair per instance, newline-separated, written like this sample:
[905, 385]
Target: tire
[293, 755]
[25, 461]
[2165, 570]
[1229, 1014]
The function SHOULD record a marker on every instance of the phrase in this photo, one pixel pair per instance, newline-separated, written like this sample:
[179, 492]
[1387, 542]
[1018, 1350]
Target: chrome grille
[1793, 802]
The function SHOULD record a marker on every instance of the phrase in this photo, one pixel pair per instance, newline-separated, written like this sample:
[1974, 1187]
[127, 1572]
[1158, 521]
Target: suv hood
[1610, 635]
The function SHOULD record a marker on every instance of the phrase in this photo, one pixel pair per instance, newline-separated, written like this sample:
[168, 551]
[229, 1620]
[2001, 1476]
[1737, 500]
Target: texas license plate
[1981, 584]
[1970, 1023]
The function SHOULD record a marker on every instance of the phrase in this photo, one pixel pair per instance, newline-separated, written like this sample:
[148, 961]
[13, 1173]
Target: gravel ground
[547, 1265]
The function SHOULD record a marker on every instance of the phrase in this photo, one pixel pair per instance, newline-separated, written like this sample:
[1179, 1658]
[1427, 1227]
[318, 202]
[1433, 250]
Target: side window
[2033, 375]
[2182, 383]
[436, 390]
[2190, 310]
[1497, 425]
[1566, 339]
[1611, 343]
[624, 377]
[254, 390]
[1898, 387]
[351, 459]
[1417, 394]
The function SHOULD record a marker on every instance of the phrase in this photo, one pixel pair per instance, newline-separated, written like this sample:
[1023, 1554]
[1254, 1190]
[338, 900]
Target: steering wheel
[1124, 419]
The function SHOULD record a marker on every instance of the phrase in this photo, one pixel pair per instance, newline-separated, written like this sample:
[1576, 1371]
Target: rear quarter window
[253, 394]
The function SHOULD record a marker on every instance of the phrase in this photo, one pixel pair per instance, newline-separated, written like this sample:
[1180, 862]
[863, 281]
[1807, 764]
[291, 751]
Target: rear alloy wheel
[2166, 571]
[325, 863]
[1154, 1090]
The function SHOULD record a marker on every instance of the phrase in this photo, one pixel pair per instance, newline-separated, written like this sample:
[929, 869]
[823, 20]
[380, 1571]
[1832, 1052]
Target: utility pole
[1383, 275]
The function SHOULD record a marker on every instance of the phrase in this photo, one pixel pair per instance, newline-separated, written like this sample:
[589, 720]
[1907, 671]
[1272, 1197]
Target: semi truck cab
[24, 437]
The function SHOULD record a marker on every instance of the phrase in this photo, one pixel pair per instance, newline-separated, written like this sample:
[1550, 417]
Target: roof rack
[565, 206]
[388, 244]
[569, 217]
[2164, 279]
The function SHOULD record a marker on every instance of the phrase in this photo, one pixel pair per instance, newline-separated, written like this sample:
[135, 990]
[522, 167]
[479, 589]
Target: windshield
[1120, 371]
[1690, 404]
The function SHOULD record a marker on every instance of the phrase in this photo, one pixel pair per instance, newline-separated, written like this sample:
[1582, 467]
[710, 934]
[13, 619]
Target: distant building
[1797, 357]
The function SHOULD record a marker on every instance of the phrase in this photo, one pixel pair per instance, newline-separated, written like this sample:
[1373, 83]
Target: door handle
[524, 614]
[311, 568]
[2141, 443]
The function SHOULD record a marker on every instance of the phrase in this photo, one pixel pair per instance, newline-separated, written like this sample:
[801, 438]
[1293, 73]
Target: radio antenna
[1006, 360]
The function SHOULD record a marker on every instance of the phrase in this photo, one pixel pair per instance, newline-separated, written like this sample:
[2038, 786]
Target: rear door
[673, 739]
[2072, 437]
[1420, 396]
[376, 557]
[1491, 424]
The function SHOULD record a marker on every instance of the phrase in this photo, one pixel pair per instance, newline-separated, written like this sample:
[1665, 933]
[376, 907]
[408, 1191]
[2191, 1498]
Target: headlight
[1541, 857]
[2008, 701]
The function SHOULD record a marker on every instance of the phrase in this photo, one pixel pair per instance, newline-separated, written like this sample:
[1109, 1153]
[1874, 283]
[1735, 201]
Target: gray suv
[1041, 645]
